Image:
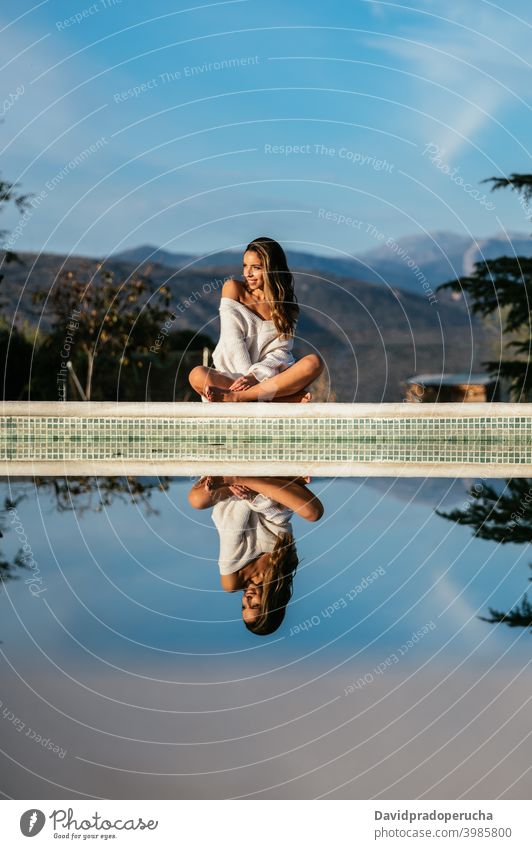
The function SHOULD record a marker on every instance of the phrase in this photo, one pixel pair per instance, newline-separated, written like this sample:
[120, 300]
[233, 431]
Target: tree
[102, 323]
[520, 183]
[503, 286]
[12, 340]
[16, 351]
[9, 194]
[167, 370]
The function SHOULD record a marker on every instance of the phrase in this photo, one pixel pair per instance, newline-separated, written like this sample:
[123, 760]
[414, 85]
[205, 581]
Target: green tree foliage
[110, 323]
[9, 194]
[14, 382]
[503, 287]
[167, 370]
[520, 183]
[16, 349]
[110, 327]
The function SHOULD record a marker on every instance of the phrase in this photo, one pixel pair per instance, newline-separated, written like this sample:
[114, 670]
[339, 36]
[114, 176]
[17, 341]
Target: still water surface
[127, 671]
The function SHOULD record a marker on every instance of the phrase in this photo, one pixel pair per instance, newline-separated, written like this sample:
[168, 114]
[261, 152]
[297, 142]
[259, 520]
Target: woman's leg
[200, 377]
[284, 386]
[208, 491]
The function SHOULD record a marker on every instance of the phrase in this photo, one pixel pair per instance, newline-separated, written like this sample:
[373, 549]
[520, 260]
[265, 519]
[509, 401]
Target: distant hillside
[439, 256]
[371, 337]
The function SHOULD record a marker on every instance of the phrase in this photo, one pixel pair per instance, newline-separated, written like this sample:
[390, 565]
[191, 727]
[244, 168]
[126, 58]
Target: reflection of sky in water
[134, 627]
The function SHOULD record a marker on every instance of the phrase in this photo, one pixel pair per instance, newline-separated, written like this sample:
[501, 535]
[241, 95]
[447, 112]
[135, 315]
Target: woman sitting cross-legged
[253, 359]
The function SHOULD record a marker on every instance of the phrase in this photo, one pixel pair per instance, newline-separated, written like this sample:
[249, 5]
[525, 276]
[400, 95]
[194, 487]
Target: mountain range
[401, 263]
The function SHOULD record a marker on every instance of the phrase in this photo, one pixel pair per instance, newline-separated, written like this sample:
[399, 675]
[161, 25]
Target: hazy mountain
[439, 256]
[231, 261]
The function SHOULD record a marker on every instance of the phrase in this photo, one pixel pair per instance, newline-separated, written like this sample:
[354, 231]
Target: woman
[253, 359]
[257, 547]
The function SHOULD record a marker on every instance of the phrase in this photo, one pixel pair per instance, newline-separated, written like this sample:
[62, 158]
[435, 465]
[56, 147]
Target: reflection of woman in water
[253, 360]
[257, 547]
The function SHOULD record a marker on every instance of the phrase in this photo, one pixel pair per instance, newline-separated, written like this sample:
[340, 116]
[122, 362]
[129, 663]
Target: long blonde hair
[278, 284]
[276, 586]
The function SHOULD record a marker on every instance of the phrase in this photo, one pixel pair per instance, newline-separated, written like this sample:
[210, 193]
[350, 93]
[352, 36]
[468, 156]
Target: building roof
[451, 379]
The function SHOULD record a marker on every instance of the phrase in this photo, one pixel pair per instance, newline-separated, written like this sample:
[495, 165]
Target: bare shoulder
[231, 583]
[233, 288]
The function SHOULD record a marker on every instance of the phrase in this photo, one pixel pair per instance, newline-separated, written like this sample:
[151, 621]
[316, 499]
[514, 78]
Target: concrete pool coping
[497, 426]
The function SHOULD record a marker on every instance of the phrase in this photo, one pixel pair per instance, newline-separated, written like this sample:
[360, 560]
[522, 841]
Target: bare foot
[212, 483]
[302, 397]
[214, 394]
[243, 492]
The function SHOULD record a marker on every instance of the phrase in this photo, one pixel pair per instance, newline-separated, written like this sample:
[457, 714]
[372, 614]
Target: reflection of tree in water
[81, 494]
[8, 568]
[519, 616]
[504, 517]
[92, 493]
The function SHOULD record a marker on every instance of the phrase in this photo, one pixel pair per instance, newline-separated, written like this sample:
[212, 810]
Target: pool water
[127, 671]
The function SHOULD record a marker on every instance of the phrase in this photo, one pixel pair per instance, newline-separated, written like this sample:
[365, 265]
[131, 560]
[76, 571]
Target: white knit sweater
[247, 529]
[249, 344]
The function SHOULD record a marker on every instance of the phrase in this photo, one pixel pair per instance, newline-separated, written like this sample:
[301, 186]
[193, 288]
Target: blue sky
[392, 115]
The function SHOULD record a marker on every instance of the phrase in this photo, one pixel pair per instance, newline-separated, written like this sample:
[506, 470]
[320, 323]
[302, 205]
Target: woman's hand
[243, 382]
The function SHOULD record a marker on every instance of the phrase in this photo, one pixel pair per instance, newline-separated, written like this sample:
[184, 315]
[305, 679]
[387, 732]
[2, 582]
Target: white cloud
[476, 53]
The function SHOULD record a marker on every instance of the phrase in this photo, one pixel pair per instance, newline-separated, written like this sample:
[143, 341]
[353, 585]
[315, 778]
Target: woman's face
[251, 602]
[253, 270]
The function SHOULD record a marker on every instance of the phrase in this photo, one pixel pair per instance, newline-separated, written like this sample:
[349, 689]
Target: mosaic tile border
[339, 436]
